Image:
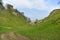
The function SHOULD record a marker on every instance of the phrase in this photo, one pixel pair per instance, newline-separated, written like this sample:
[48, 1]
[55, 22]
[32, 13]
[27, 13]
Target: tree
[28, 20]
[9, 8]
[1, 2]
[58, 2]
[37, 22]
[1, 5]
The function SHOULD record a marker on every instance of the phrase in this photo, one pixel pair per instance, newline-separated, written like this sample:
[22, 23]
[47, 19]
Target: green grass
[48, 30]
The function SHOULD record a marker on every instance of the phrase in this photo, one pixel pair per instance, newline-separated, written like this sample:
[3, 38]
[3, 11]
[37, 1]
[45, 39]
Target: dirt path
[12, 36]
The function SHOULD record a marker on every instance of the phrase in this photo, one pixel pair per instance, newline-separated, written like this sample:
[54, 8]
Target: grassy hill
[12, 27]
[50, 27]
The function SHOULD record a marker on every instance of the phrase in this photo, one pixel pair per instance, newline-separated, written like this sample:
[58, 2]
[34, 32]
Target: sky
[34, 9]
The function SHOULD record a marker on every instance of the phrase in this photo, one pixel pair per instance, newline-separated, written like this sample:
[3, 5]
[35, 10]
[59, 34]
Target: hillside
[50, 27]
[16, 27]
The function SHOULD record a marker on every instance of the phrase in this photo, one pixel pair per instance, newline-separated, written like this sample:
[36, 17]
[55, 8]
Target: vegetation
[48, 28]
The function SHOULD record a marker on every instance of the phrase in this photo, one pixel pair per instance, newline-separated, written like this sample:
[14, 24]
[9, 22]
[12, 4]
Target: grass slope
[49, 29]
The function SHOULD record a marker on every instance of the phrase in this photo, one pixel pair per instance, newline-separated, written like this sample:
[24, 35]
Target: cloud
[34, 9]
[40, 4]
[31, 4]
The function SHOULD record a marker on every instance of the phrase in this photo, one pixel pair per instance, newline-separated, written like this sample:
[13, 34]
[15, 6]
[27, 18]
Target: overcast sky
[34, 9]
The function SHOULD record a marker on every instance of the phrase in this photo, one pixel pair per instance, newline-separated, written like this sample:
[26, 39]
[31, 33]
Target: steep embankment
[10, 24]
[50, 27]
[8, 19]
